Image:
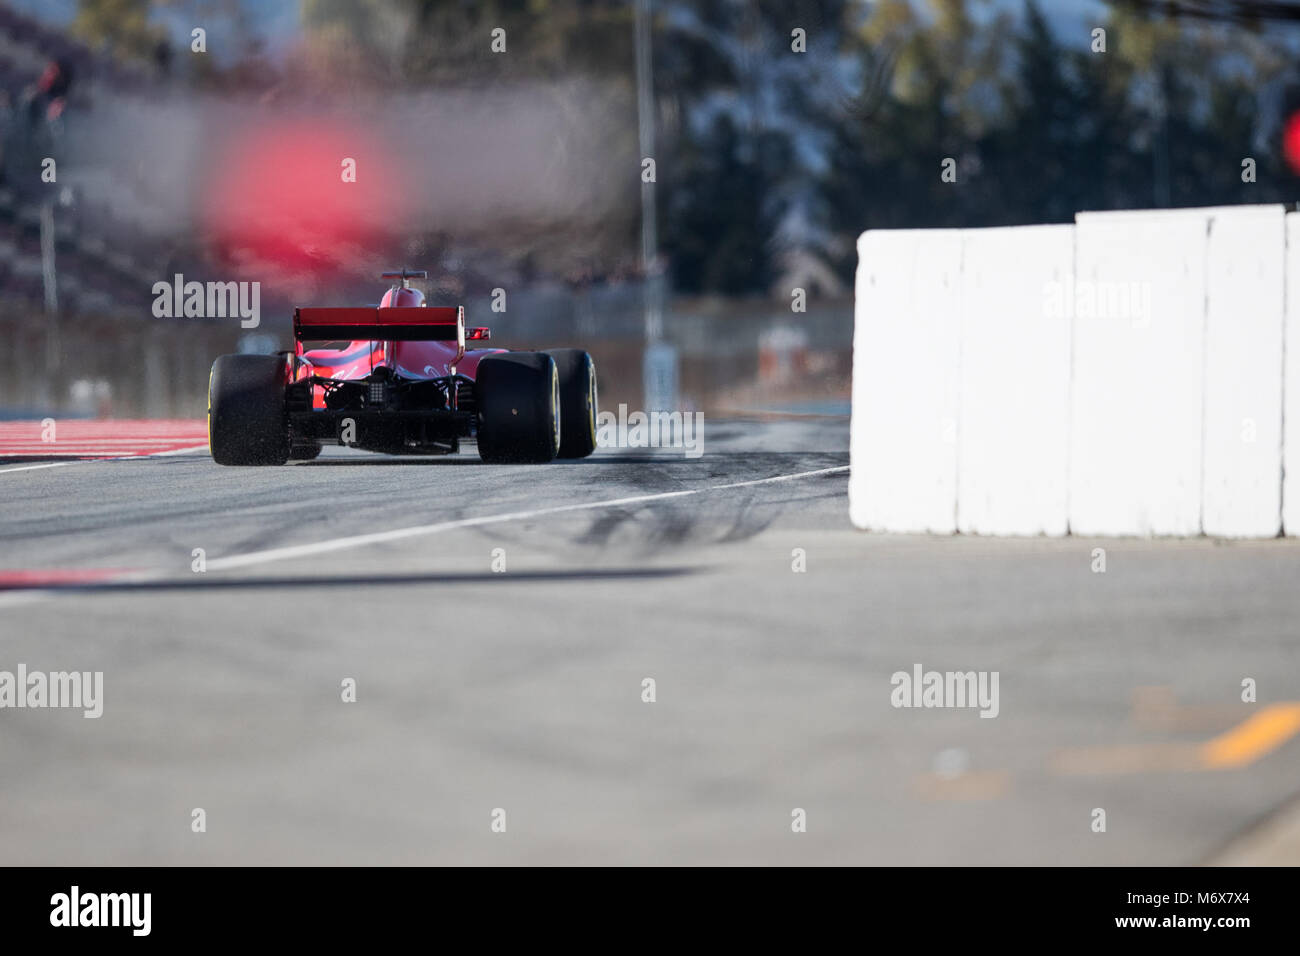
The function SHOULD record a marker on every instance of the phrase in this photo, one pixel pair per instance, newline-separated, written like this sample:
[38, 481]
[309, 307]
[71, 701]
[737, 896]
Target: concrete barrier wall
[1015, 380]
[1120, 376]
[906, 339]
[1136, 390]
[1291, 377]
[1243, 372]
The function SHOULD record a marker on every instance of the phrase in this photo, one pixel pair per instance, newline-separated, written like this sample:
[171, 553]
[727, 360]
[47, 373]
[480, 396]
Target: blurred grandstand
[43, 76]
[63, 256]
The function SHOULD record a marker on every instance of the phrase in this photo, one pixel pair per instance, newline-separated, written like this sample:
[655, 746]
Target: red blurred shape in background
[1291, 142]
[277, 194]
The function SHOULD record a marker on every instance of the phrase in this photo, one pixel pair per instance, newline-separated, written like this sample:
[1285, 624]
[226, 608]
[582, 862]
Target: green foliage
[119, 27]
[1163, 118]
[720, 211]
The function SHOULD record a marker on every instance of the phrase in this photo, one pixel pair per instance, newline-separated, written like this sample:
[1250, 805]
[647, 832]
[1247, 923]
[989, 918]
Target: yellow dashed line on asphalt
[1253, 738]
[1248, 741]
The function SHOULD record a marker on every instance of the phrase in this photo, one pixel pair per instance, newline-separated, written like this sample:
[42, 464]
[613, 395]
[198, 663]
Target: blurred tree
[1250, 12]
[738, 85]
[717, 219]
[1044, 126]
[120, 28]
[927, 89]
[1061, 136]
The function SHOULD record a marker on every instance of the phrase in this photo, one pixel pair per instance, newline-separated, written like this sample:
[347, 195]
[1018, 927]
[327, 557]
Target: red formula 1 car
[398, 378]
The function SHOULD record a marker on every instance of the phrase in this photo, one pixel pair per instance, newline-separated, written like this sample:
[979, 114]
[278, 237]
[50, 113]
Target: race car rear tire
[577, 402]
[518, 396]
[246, 417]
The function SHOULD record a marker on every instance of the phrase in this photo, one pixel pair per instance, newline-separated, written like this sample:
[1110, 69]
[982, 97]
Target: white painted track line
[91, 461]
[48, 464]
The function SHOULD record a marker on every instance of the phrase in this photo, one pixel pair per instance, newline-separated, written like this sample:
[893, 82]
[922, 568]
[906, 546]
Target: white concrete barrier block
[906, 341]
[1243, 372]
[1012, 465]
[1291, 416]
[1138, 368]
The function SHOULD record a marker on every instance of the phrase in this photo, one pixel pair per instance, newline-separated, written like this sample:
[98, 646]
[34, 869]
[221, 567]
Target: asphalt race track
[522, 689]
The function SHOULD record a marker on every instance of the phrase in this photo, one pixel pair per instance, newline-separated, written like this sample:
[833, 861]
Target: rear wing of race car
[398, 324]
